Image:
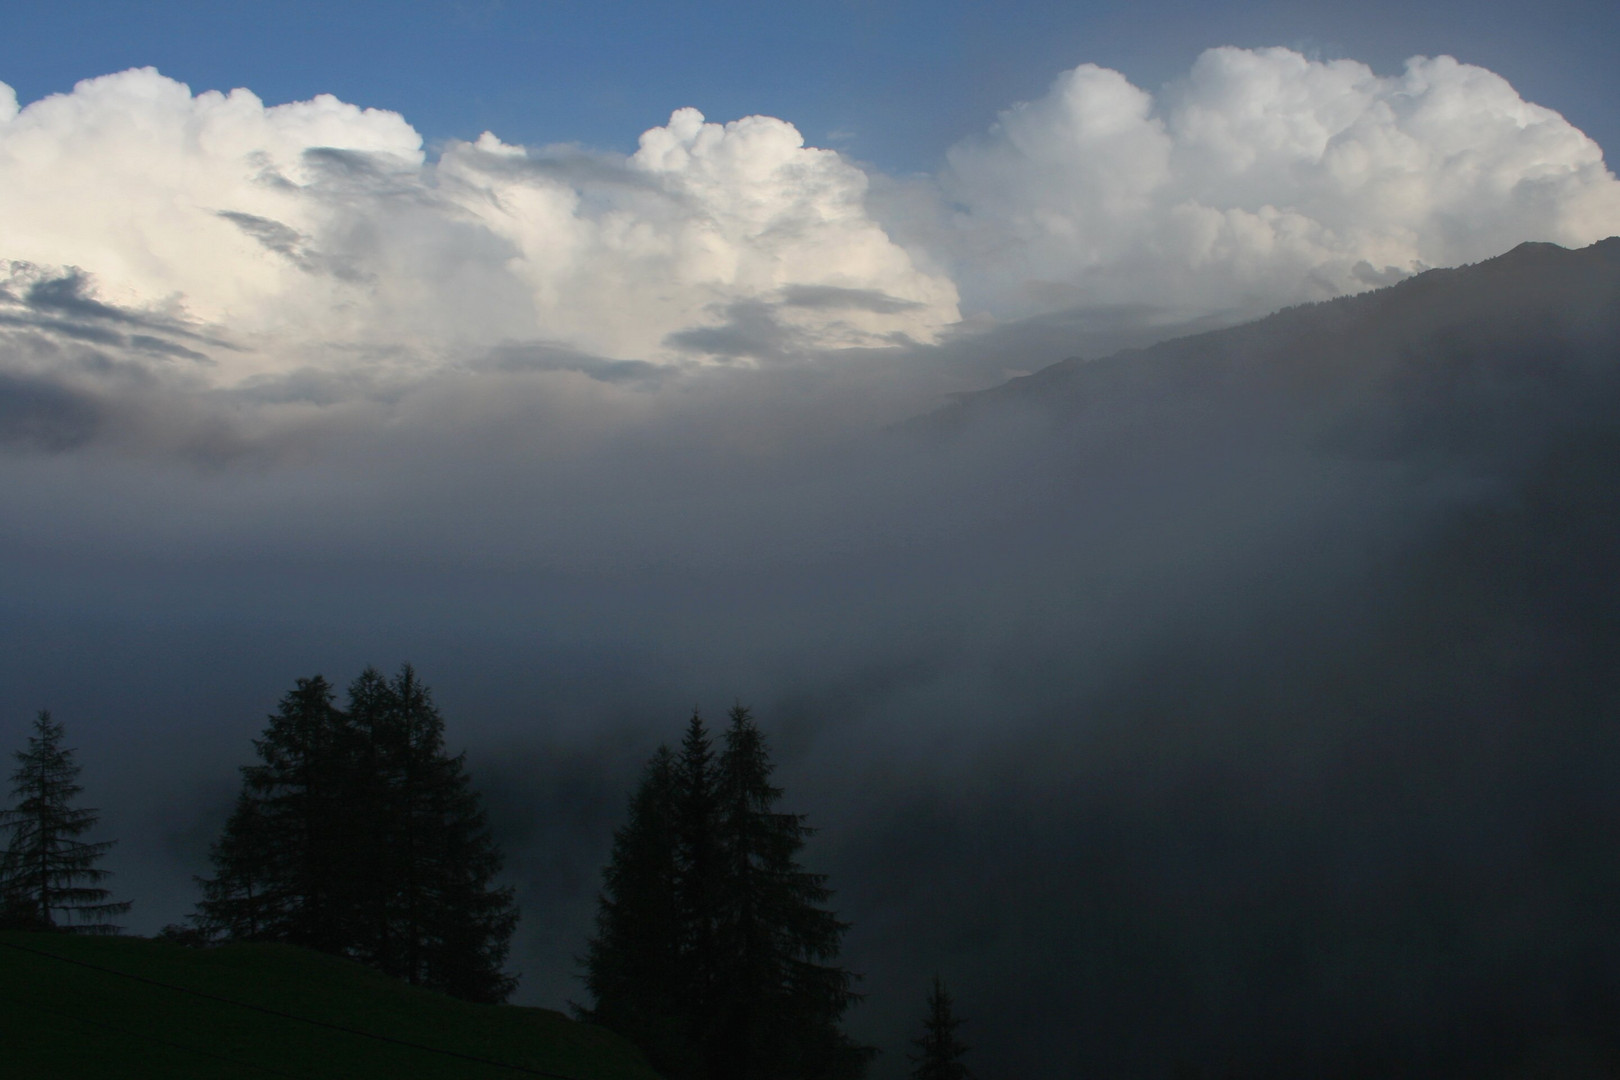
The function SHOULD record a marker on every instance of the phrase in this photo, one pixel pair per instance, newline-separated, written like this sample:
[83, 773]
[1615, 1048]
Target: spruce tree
[651, 967]
[939, 1052]
[784, 995]
[459, 923]
[236, 902]
[427, 907]
[635, 967]
[699, 870]
[282, 865]
[729, 974]
[49, 878]
[357, 834]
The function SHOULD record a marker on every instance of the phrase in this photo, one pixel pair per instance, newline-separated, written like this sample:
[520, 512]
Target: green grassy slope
[69, 1015]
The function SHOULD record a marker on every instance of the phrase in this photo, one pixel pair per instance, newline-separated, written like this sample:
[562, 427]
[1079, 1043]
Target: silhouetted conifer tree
[939, 1051]
[359, 835]
[699, 880]
[745, 961]
[635, 966]
[282, 864]
[427, 907]
[48, 873]
[783, 995]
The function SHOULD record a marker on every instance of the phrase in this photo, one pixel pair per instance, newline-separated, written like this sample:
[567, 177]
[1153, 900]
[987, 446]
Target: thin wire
[292, 1016]
[37, 1007]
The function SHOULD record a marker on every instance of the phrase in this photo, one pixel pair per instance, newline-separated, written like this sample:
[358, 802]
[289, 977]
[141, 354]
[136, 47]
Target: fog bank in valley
[1237, 700]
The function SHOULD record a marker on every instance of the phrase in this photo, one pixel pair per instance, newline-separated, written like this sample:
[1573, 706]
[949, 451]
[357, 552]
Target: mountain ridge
[1459, 326]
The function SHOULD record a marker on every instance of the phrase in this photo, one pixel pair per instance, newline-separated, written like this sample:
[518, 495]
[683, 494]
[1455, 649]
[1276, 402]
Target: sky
[575, 353]
[346, 189]
[895, 83]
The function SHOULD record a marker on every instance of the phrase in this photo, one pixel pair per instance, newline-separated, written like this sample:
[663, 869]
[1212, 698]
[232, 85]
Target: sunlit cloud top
[319, 234]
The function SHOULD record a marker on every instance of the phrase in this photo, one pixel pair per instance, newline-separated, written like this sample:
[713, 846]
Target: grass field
[84, 1008]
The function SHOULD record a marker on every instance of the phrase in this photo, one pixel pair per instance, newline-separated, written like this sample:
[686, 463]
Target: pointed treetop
[696, 741]
[939, 1052]
[47, 871]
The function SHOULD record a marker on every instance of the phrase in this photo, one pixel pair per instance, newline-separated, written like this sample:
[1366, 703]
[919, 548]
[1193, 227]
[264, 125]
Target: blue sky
[893, 82]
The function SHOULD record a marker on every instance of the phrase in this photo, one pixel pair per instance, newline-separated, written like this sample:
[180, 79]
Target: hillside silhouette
[126, 1007]
[1453, 359]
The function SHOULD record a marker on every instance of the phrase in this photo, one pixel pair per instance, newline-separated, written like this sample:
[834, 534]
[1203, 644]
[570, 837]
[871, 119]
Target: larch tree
[939, 1052]
[49, 878]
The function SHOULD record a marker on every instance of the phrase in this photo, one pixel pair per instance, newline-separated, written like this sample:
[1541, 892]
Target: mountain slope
[1448, 357]
[1306, 638]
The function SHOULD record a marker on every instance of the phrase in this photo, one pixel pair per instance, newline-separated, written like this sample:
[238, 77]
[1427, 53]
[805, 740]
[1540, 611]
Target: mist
[1233, 702]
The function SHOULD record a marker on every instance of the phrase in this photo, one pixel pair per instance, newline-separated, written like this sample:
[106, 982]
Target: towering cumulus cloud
[211, 208]
[1262, 178]
[732, 240]
[240, 239]
[319, 232]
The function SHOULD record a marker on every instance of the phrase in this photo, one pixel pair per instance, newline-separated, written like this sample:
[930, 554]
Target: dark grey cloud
[65, 304]
[755, 330]
[69, 295]
[518, 357]
[69, 298]
[293, 245]
[842, 299]
[38, 413]
[356, 168]
[575, 166]
[276, 237]
[88, 331]
[157, 346]
[750, 331]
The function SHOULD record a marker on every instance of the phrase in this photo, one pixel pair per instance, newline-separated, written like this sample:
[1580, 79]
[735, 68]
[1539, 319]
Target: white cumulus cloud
[320, 233]
[1260, 179]
[621, 256]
